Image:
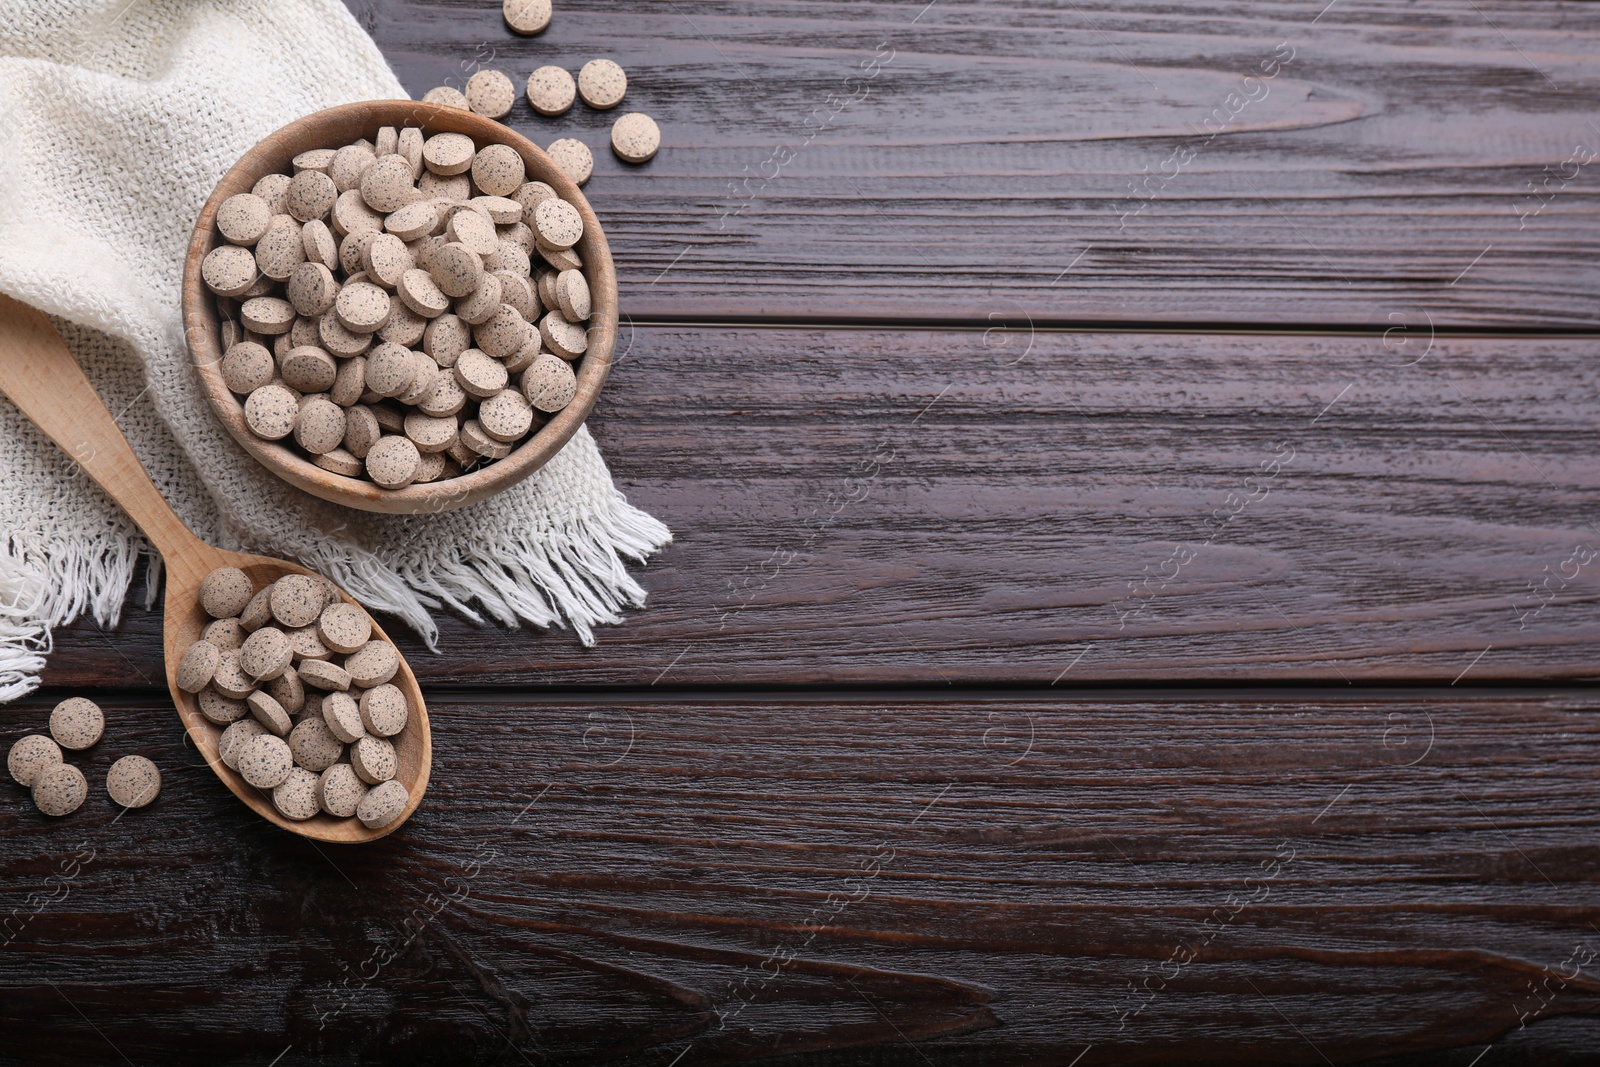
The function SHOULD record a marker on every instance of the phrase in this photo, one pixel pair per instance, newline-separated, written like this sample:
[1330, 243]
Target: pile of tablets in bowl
[400, 310]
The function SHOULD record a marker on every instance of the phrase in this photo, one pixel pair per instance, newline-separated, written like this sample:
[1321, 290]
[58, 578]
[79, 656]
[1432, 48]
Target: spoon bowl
[184, 619]
[42, 378]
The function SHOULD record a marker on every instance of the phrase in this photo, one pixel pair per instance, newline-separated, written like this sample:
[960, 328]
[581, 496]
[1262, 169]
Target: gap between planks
[1097, 326]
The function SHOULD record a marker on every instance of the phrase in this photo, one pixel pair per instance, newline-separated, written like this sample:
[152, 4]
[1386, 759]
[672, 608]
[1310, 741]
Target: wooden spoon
[44, 380]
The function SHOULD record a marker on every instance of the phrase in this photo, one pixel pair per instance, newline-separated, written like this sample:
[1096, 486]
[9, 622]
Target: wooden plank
[946, 506]
[1076, 161]
[1159, 877]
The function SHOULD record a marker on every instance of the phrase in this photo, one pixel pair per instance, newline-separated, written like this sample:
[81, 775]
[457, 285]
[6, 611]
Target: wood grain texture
[1087, 874]
[946, 506]
[1073, 161]
[984, 881]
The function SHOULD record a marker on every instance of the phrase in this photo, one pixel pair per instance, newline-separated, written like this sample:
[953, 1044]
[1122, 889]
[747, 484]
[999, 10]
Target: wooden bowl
[333, 128]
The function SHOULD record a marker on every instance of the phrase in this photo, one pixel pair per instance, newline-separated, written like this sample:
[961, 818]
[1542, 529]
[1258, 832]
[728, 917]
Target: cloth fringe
[575, 575]
[41, 590]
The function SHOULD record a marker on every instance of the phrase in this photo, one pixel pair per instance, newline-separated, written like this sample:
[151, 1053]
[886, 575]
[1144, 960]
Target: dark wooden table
[1134, 597]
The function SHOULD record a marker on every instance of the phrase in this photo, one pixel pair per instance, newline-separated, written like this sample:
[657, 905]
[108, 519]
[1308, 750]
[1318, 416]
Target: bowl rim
[202, 320]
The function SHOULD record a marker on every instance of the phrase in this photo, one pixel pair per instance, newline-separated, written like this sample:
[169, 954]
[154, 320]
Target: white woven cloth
[117, 117]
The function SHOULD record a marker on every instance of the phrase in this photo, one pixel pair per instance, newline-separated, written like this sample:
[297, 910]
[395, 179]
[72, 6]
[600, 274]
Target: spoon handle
[43, 379]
